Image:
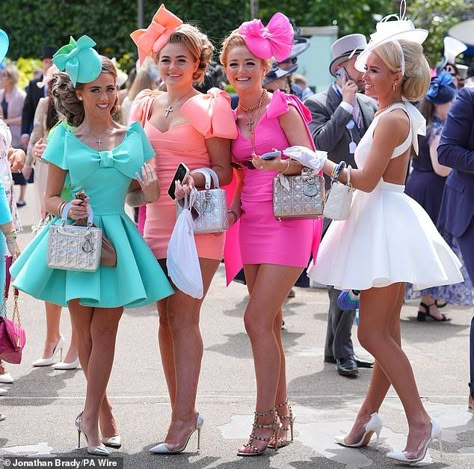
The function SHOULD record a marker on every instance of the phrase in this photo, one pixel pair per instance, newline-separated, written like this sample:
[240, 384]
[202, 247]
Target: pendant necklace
[170, 107]
[250, 120]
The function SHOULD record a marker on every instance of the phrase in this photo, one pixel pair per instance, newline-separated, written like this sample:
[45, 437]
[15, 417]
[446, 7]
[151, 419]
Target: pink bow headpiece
[273, 40]
[154, 38]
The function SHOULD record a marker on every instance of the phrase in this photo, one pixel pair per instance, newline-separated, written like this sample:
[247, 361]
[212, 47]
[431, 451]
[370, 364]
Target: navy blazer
[456, 150]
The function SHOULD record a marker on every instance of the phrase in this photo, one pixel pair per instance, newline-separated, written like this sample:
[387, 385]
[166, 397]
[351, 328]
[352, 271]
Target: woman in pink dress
[273, 252]
[185, 126]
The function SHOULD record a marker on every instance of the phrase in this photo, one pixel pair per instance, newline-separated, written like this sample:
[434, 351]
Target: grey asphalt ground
[41, 405]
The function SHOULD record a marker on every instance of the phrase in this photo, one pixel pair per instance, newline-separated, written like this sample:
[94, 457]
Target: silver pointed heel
[113, 442]
[99, 450]
[374, 425]
[401, 456]
[50, 360]
[163, 448]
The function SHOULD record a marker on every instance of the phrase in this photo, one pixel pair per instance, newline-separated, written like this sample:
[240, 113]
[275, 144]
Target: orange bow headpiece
[154, 38]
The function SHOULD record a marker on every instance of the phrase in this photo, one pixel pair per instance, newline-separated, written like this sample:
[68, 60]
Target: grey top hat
[345, 48]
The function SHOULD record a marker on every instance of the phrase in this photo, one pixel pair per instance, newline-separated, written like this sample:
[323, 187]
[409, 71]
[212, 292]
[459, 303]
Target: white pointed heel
[436, 433]
[6, 378]
[374, 425]
[99, 450]
[67, 366]
[50, 360]
[113, 442]
[163, 448]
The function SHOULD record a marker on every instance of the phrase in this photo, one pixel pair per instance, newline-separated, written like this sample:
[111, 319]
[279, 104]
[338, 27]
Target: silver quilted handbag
[300, 196]
[339, 199]
[210, 205]
[73, 247]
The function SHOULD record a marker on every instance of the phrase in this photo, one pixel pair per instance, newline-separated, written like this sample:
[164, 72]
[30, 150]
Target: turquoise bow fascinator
[79, 60]
[4, 43]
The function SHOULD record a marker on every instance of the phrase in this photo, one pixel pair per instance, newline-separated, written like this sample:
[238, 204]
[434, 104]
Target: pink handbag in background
[12, 335]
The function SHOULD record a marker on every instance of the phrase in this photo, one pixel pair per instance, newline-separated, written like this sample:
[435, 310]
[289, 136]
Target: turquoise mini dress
[105, 176]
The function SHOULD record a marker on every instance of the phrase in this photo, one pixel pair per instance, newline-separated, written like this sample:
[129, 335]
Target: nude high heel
[289, 419]
[374, 425]
[99, 450]
[163, 448]
[274, 426]
[435, 434]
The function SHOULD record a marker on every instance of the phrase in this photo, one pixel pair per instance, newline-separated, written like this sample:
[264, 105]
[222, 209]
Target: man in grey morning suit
[340, 116]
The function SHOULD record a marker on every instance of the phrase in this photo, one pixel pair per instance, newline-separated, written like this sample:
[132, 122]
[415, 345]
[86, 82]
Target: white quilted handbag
[210, 205]
[339, 199]
[74, 247]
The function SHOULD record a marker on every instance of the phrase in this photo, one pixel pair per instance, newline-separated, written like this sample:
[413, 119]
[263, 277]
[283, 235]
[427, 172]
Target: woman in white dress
[388, 238]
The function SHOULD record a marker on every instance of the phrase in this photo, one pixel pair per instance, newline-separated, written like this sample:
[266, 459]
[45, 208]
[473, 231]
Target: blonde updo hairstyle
[235, 39]
[66, 101]
[416, 79]
[198, 45]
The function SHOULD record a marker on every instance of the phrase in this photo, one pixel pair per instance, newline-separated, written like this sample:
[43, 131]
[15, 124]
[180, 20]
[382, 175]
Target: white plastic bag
[182, 259]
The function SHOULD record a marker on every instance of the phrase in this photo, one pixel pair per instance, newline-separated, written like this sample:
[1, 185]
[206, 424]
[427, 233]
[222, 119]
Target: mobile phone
[341, 76]
[181, 172]
[271, 155]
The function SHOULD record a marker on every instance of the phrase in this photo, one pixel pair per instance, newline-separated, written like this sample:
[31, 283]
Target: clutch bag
[73, 247]
[300, 196]
[209, 206]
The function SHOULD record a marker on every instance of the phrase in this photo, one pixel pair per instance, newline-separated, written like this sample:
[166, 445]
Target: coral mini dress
[263, 239]
[388, 237]
[208, 115]
[105, 176]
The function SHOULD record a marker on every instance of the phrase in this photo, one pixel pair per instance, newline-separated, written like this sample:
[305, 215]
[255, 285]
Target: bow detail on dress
[154, 38]
[211, 114]
[79, 60]
[273, 40]
[417, 123]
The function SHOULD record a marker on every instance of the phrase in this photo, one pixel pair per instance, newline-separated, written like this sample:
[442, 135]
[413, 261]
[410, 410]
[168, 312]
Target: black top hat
[48, 52]
[277, 72]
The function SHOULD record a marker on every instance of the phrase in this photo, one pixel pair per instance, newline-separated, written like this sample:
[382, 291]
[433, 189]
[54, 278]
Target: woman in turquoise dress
[101, 158]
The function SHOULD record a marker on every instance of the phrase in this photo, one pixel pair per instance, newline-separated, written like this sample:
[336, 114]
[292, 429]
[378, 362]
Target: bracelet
[233, 212]
[288, 161]
[61, 206]
[337, 169]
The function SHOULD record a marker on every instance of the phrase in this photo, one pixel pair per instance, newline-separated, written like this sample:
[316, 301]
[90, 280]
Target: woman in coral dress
[184, 126]
[273, 252]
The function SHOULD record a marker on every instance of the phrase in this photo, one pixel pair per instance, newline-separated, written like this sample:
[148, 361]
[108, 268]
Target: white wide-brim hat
[388, 31]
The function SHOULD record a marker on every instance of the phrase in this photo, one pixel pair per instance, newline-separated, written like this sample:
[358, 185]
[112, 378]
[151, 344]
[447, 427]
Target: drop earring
[394, 85]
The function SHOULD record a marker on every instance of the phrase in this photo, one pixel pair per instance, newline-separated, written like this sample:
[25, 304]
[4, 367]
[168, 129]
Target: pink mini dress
[263, 239]
[208, 116]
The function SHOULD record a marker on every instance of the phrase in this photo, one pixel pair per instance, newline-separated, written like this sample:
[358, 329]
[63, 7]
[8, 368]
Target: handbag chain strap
[16, 309]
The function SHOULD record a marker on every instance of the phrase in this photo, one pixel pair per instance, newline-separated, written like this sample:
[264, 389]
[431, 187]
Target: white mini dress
[388, 237]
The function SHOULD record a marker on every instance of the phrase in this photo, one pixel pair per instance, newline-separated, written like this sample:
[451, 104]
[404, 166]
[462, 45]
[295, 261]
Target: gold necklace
[250, 121]
[170, 108]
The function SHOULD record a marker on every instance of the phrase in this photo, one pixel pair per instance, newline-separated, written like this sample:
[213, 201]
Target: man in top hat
[341, 115]
[33, 94]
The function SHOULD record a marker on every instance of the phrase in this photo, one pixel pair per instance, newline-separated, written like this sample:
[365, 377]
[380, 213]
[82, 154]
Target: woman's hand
[78, 209]
[13, 248]
[16, 159]
[149, 183]
[184, 188]
[38, 149]
[233, 214]
[277, 164]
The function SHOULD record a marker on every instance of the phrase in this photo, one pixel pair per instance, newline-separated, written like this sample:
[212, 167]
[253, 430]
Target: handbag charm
[339, 199]
[209, 208]
[300, 196]
[74, 247]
